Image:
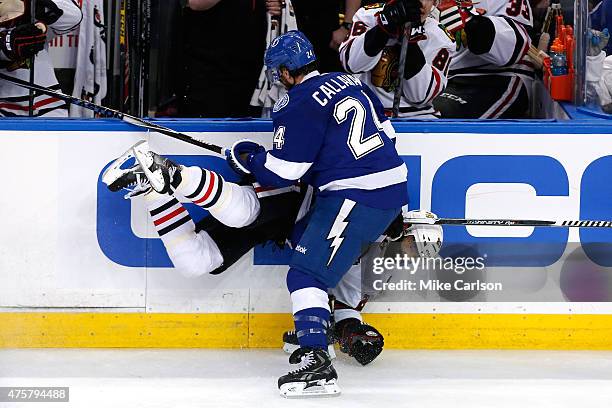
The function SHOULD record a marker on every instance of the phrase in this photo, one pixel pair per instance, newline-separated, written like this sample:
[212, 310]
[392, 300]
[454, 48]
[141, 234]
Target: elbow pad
[480, 33]
[415, 60]
[374, 41]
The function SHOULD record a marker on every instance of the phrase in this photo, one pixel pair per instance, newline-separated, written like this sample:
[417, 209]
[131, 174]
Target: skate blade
[315, 389]
[290, 348]
[140, 152]
[114, 171]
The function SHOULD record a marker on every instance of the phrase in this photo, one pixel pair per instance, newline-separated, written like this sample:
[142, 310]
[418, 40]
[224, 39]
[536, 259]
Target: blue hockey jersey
[330, 131]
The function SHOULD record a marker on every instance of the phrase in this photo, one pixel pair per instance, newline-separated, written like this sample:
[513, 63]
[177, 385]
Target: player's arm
[372, 29]
[296, 144]
[355, 55]
[275, 168]
[341, 33]
[500, 37]
[427, 64]
[499, 40]
[61, 16]
[26, 40]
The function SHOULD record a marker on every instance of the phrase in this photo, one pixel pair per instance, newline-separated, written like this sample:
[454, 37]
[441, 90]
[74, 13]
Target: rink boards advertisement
[75, 253]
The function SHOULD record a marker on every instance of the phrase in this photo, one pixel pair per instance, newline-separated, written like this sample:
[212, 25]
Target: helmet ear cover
[274, 74]
[427, 238]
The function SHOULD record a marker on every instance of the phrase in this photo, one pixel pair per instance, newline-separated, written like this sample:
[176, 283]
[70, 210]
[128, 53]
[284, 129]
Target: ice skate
[314, 377]
[120, 176]
[163, 174]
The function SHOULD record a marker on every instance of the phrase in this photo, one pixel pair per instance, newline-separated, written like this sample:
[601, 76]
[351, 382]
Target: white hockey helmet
[427, 238]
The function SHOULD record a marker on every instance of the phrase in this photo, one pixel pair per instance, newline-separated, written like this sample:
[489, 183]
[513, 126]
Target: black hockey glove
[395, 230]
[359, 340]
[23, 41]
[47, 11]
[396, 13]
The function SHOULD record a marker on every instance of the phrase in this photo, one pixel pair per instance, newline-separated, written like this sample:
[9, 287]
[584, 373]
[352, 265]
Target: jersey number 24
[356, 142]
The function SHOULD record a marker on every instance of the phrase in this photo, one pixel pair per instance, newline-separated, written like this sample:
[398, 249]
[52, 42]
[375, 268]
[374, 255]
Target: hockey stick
[108, 112]
[510, 223]
[397, 95]
[32, 61]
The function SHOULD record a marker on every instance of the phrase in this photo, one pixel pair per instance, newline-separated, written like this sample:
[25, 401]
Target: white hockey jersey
[379, 71]
[90, 75]
[508, 55]
[14, 100]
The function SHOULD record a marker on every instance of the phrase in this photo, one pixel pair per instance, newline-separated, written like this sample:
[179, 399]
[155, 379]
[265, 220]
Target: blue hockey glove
[237, 156]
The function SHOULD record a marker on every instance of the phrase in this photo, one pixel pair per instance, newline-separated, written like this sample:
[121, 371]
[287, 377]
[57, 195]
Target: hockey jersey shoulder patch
[281, 103]
[445, 31]
[374, 6]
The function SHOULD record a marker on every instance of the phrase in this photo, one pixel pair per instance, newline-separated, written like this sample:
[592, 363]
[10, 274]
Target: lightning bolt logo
[338, 227]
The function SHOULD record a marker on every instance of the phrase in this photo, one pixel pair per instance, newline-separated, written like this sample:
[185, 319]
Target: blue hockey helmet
[291, 50]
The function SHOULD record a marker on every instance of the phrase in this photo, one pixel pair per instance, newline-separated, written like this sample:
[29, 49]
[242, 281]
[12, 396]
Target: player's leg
[234, 205]
[356, 338]
[336, 233]
[291, 343]
[506, 98]
[274, 224]
[346, 303]
[218, 246]
[193, 254]
[210, 246]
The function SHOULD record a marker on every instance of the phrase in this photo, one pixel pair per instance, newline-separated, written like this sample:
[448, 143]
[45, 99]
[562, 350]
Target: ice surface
[247, 378]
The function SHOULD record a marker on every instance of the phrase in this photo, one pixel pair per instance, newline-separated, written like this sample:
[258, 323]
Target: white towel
[90, 76]
[267, 94]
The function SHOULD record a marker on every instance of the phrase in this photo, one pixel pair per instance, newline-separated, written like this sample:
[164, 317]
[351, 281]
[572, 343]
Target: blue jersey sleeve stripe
[370, 181]
[388, 129]
[286, 169]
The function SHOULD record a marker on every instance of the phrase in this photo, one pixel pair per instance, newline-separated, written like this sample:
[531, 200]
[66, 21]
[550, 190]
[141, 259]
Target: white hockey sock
[192, 254]
[235, 206]
[170, 218]
[343, 314]
[203, 187]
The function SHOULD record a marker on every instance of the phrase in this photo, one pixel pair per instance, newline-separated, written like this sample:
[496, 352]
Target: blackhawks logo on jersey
[448, 34]
[460, 39]
[384, 73]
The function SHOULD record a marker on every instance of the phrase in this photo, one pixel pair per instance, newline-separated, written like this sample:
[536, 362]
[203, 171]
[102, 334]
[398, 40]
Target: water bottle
[558, 65]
